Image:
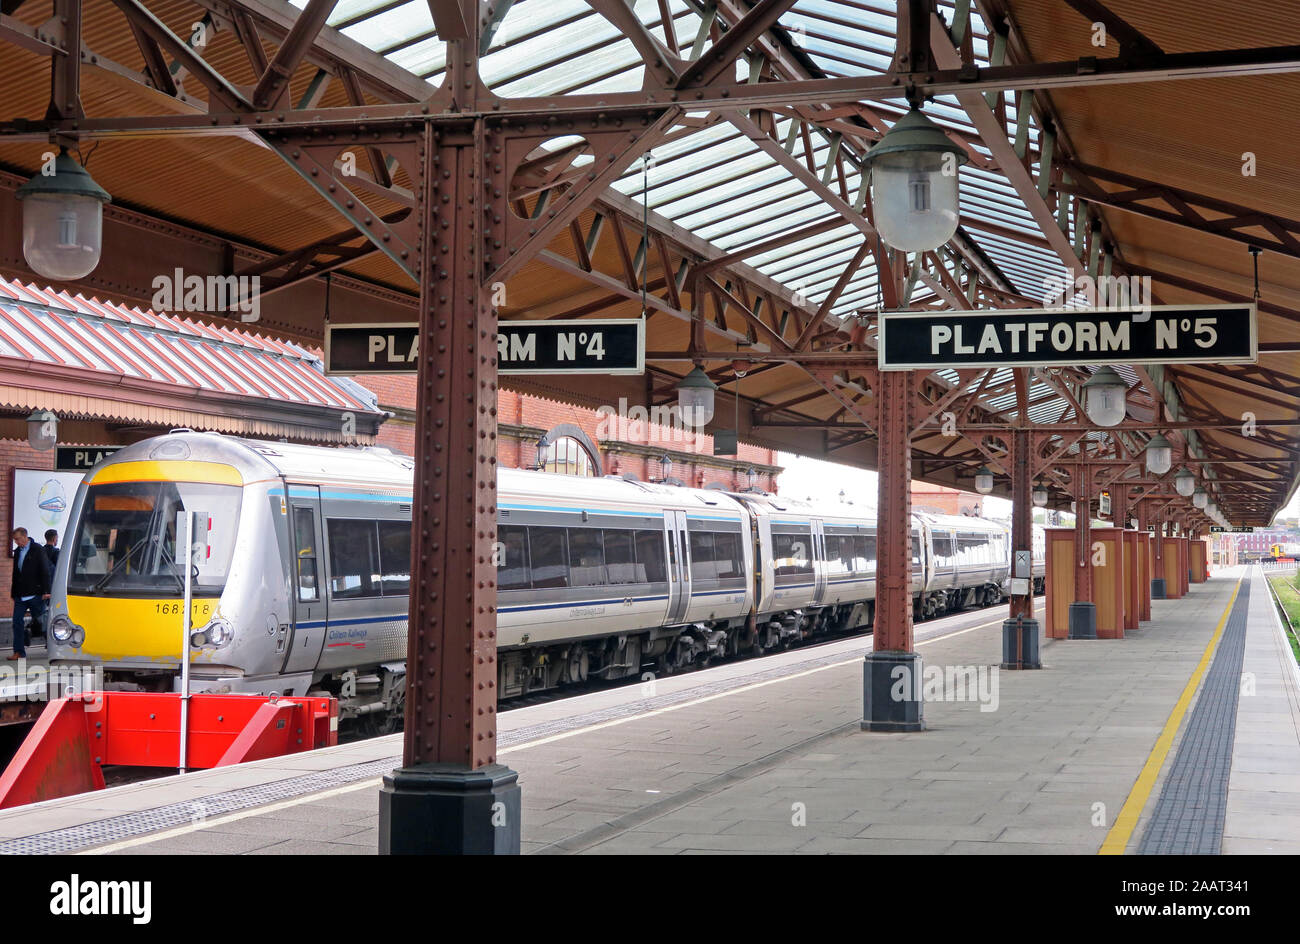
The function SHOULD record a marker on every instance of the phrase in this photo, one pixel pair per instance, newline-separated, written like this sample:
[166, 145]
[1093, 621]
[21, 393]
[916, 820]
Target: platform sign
[1216, 529]
[1033, 337]
[578, 346]
[74, 458]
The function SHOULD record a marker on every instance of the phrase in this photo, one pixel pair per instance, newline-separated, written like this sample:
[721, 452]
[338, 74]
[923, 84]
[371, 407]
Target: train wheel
[390, 722]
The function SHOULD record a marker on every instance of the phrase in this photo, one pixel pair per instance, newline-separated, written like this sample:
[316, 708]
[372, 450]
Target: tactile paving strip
[1188, 818]
[130, 825]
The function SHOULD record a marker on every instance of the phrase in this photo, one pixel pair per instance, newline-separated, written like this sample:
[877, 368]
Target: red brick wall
[16, 455]
[948, 501]
[397, 393]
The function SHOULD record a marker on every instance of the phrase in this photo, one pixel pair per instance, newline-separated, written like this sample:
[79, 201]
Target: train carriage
[305, 583]
[970, 562]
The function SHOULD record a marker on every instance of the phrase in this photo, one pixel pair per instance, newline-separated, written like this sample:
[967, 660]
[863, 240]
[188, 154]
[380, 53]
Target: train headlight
[217, 634]
[61, 629]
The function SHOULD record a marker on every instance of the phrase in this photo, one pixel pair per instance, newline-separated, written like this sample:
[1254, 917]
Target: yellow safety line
[1118, 838]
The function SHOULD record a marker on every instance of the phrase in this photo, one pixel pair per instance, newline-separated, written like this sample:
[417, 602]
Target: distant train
[1287, 551]
[305, 583]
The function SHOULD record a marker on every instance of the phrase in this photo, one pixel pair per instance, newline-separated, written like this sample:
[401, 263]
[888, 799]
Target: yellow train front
[259, 619]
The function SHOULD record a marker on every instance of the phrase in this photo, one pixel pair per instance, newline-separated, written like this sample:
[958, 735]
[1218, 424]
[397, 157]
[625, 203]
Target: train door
[679, 565]
[310, 599]
[818, 551]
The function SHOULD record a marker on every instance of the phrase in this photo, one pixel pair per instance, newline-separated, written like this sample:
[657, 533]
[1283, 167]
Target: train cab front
[119, 590]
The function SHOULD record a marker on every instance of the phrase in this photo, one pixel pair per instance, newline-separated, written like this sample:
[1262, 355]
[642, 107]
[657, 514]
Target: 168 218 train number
[174, 609]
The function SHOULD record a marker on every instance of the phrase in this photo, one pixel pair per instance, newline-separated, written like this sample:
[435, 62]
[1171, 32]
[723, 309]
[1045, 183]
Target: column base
[1027, 631]
[891, 692]
[1158, 588]
[447, 809]
[1083, 620]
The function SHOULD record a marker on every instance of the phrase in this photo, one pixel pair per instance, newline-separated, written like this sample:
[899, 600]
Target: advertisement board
[42, 500]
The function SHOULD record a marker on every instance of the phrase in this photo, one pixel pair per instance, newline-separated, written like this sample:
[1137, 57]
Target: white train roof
[817, 509]
[613, 490]
[959, 522]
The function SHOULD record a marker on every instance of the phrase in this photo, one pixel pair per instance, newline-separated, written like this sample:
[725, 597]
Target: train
[304, 583]
[1288, 551]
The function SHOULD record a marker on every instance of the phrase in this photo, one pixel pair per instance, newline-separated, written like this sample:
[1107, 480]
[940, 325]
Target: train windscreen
[126, 538]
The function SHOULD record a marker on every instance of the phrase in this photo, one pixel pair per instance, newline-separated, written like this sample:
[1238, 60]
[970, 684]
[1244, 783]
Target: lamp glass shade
[983, 480]
[1184, 483]
[1105, 397]
[42, 430]
[916, 203]
[915, 184]
[1160, 455]
[1200, 498]
[63, 216]
[751, 477]
[543, 453]
[695, 398]
[62, 235]
[665, 466]
[1039, 496]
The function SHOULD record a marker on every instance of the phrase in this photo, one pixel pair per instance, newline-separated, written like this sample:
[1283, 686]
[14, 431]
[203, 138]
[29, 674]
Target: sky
[820, 480]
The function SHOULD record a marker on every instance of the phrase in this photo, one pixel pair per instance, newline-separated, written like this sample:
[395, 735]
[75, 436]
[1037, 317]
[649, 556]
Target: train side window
[548, 554]
[650, 561]
[620, 561]
[354, 558]
[586, 557]
[916, 553]
[729, 555]
[866, 552]
[304, 538]
[943, 551]
[395, 557]
[704, 565]
[512, 564]
[848, 555]
[832, 544]
[792, 553]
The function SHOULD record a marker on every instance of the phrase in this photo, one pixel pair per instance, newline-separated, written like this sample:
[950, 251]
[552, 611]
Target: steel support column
[1159, 591]
[1119, 506]
[891, 678]
[1083, 612]
[450, 795]
[1020, 629]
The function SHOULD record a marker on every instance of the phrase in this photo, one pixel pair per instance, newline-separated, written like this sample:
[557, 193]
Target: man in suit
[52, 548]
[30, 588]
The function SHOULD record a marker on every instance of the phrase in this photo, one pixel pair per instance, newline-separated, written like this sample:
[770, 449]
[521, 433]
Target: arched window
[568, 457]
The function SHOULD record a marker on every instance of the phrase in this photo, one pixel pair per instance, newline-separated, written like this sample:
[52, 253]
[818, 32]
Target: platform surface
[767, 756]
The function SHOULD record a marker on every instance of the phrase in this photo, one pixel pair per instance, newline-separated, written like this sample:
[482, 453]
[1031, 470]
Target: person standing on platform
[52, 548]
[30, 588]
